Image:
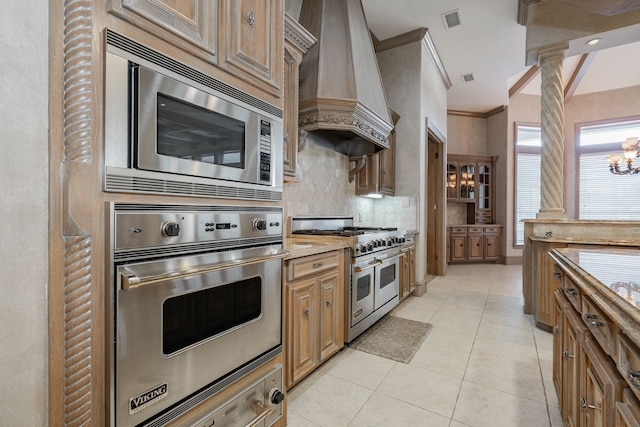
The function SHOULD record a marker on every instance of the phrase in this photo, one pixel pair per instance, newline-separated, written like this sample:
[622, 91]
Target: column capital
[551, 51]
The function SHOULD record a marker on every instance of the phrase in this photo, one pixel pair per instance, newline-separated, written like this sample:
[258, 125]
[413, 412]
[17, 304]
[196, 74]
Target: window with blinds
[601, 194]
[527, 200]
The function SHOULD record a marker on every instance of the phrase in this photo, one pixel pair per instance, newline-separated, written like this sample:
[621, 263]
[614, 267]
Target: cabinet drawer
[458, 230]
[602, 328]
[571, 291]
[491, 229]
[628, 363]
[301, 267]
[475, 230]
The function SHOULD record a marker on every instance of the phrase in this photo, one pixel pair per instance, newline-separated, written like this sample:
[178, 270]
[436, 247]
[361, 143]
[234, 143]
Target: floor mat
[393, 338]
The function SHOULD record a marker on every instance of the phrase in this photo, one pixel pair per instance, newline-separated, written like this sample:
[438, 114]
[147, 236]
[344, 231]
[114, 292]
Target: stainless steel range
[375, 266]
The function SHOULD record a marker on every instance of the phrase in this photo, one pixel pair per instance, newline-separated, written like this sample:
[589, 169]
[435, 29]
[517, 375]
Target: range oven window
[190, 132]
[363, 286]
[387, 275]
[190, 318]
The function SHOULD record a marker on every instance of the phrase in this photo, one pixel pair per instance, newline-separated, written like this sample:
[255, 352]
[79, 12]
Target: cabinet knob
[251, 20]
[633, 377]
[329, 302]
[307, 311]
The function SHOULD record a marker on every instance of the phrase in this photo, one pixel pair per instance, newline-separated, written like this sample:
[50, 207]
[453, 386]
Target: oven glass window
[190, 318]
[363, 287]
[190, 132]
[387, 275]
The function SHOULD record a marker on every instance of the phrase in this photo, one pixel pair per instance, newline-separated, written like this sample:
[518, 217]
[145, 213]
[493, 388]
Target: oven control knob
[276, 396]
[170, 229]
[259, 224]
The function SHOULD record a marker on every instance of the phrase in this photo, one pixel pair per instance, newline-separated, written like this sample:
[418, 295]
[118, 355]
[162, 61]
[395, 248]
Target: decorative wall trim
[77, 80]
[77, 331]
[427, 42]
[475, 115]
[73, 293]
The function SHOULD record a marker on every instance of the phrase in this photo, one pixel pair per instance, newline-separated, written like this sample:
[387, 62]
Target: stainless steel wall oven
[169, 124]
[194, 303]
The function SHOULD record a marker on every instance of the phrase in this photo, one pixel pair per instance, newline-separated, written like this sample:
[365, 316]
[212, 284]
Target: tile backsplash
[324, 189]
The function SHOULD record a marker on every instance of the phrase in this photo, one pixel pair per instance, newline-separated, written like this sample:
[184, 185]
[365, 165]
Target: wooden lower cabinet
[628, 411]
[408, 268]
[314, 313]
[589, 388]
[474, 243]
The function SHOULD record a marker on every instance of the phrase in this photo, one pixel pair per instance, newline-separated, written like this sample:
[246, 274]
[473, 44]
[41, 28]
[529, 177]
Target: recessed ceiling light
[593, 42]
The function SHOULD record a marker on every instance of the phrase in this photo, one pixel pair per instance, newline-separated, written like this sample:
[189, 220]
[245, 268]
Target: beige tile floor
[483, 364]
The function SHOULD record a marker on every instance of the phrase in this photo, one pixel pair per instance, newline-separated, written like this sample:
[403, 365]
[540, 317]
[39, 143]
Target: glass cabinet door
[467, 182]
[452, 180]
[484, 187]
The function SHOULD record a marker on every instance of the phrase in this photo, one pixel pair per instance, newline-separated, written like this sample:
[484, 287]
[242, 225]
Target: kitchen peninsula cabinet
[596, 350]
[314, 313]
[474, 243]
[470, 180]
[379, 172]
[297, 41]
[241, 37]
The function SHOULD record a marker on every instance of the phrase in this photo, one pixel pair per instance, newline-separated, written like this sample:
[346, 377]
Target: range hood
[341, 94]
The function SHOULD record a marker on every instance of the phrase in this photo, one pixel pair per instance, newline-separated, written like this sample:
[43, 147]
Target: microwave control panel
[265, 151]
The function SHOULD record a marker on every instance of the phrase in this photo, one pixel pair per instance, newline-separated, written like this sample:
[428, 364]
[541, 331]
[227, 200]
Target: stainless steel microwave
[172, 129]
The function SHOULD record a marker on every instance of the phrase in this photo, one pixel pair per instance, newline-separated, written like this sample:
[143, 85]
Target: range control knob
[276, 396]
[170, 229]
[259, 224]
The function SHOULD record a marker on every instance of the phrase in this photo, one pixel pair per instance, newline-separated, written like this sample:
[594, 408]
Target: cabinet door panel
[491, 247]
[194, 22]
[475, 248]
[328, 305]
[458, 248]
[303, 320]
[254, 41]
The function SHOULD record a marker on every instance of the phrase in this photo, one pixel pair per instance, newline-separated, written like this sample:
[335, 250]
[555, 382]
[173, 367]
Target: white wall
[24, 211]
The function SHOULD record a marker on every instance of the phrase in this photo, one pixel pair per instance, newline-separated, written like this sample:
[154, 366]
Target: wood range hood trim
[342, 98]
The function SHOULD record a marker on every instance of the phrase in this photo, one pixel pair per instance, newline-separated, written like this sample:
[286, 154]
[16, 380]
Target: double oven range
[194, 304]
[375, 266]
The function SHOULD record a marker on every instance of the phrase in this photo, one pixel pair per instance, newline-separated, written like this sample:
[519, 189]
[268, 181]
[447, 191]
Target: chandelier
[631, 150]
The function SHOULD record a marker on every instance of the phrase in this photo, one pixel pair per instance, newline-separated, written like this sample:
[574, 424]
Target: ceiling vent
[451, 19]
[467, 77]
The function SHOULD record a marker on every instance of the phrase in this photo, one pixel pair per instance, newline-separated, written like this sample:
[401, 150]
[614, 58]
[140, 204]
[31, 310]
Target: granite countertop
[585, 240]
[300, 246]
[611, 277]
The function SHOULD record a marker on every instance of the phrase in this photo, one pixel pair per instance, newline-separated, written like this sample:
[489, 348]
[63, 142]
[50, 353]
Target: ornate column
[551, 162]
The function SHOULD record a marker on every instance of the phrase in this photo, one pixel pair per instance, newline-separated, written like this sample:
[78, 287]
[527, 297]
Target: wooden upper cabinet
[244, 39]
[378, 176]
[189, 25]
[297, 41]
[253, 43]
[470, 179]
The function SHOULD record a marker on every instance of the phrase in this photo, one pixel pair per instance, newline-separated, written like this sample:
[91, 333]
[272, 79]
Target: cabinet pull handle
[566, 354]
[318, 264]
[570, 291]
[589, 318]
[584, 404]
[251, 20]
[556, 330]
[633, 376]
[557, 275]
[329, 302]
[307, 311]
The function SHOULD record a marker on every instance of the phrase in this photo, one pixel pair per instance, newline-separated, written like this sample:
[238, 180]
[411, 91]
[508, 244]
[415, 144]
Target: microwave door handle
[129, 280]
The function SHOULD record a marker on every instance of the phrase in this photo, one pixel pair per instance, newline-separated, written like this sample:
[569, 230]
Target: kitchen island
[596, 352]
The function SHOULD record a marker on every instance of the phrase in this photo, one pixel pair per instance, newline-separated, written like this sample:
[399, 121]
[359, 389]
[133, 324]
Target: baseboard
[513, 260]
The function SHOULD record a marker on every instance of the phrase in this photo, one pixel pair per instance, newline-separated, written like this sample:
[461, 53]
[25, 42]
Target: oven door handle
[130, 280]
[376, 262]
